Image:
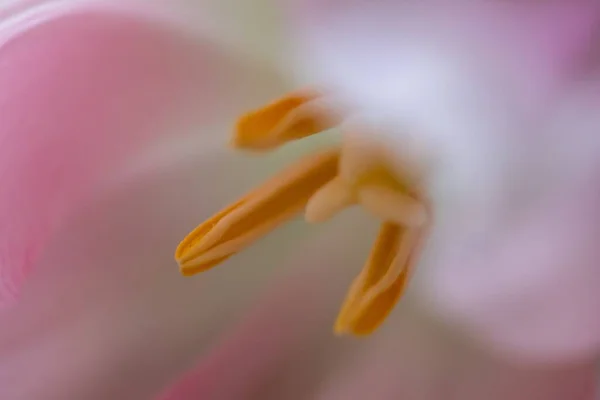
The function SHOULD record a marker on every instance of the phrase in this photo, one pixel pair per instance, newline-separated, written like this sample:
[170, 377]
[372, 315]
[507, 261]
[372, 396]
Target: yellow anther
[323, 184]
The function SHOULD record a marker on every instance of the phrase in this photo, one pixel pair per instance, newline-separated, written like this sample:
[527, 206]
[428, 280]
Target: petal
[87, 91]
[527, 286]
[481, 84]
[112, 157]
[415, 358]
[288, 332]
[367, 47]
[287, 319]
[520, 271]
[456, 78]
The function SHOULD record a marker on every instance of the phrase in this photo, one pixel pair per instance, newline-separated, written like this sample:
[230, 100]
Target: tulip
[115, 124]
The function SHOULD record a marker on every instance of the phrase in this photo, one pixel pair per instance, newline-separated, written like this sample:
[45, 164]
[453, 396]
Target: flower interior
[357, 172]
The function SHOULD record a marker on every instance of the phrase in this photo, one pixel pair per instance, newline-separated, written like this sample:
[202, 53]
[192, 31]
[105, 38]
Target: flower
[108, 158]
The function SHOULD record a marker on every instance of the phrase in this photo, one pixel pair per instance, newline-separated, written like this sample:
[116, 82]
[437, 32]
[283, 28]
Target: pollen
[356, 173]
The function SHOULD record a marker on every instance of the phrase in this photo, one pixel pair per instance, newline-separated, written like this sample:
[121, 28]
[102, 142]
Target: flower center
[366, 179]
[357, 173]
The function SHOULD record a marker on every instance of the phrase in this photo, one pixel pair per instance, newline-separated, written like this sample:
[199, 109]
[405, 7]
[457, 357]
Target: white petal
[462, 77]
[485, 86]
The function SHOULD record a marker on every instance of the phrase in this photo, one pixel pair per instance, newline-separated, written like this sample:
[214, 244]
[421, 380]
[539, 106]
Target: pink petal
[528, 287]
[83, 88]
[294, 318]
[254, 351]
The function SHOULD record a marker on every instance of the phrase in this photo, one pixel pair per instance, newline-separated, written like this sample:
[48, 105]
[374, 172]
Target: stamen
[323, 184]
[360, 156]
[380, 285]
[329, 200]
[292, 117]
[399, 266]
[256, 214]
[391, 205]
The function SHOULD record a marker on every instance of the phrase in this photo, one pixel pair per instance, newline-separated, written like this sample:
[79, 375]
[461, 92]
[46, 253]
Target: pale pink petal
[283, 348]
[125, 113]
[82, 90]
[256, 352]
[284, 351]
[419, 359]
[529, 284]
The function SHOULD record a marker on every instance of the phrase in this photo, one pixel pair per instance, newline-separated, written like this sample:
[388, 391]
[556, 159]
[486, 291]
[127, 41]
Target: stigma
[358, 172]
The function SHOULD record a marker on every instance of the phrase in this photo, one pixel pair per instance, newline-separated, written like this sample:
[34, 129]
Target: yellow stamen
[256, 214]
[384, 277]
[391, 205]
[292, 117]
[382, 282]
[324, 184]
[329, 200]
[362, 157]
